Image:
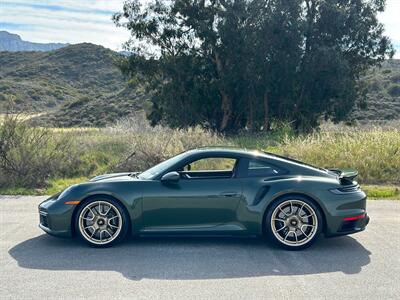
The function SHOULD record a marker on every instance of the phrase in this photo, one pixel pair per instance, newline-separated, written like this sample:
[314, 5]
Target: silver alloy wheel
[294, 223]
[100, 222]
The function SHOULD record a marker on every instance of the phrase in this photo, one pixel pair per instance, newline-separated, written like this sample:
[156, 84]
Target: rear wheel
[102, 222]
[293, 223]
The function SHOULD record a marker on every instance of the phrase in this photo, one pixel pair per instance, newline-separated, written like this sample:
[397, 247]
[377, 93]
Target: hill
[382, 100]
[13, 42]
[72, 85]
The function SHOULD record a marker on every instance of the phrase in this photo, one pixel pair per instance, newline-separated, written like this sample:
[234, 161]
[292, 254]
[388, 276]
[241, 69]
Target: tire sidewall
[268, 229]
[124, 215]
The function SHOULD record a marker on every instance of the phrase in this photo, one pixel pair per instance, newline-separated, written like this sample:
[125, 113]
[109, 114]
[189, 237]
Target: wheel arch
[104, 196]
[294, 194]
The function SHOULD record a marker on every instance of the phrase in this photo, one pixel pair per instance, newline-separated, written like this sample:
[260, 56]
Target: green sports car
[212, 191]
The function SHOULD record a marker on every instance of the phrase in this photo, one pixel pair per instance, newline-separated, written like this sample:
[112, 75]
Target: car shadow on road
[192, 258]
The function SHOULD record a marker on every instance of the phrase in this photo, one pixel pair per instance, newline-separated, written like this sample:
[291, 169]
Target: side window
[259, 168]
[211, 164]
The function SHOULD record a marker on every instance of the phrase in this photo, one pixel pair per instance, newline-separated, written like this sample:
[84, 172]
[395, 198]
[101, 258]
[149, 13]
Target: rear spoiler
[346, 176]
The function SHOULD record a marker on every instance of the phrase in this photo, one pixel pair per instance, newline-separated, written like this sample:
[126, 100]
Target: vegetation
[381, 101]
[254, 74]
[29, 156]
[382, 191]
[374, 152]
[234, 64]
[133, 145]
[78, 85]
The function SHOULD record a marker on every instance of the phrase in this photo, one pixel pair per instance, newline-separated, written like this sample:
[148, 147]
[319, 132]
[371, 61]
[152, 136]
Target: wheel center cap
[294, 222]
[100, 222]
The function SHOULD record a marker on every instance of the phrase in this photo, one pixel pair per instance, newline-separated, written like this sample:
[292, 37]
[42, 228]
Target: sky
[77, 21]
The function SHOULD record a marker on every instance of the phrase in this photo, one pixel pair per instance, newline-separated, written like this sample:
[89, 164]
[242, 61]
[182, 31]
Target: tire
[102, 222]
[293, 223]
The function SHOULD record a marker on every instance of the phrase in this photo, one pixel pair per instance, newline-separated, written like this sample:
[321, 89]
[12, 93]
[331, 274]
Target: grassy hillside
[73, 81]
[94, 111]
[383, 94]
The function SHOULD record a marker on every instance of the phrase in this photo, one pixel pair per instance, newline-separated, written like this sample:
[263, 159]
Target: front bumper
[55, 218]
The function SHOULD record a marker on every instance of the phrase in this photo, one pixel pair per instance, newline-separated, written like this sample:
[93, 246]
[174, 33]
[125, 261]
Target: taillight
[354, 217]
[346, 189]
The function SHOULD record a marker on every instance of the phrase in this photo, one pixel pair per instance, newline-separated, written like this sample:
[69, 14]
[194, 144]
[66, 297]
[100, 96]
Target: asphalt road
[35, 265]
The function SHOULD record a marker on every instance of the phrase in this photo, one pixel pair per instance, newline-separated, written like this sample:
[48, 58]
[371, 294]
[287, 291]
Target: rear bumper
[354, 226]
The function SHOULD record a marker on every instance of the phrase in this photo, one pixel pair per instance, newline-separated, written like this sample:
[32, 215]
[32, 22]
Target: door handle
[229, 194]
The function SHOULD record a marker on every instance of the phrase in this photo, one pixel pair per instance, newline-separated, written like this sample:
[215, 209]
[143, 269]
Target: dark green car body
[214, 205]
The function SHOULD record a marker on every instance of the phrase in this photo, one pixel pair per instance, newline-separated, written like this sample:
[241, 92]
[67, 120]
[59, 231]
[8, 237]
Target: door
[204, 199]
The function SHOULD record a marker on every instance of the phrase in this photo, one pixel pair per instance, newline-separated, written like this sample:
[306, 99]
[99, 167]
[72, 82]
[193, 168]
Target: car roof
[235, 151]
[222, 150]
[227, 150]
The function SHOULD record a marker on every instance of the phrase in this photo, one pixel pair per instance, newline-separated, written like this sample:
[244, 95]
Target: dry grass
[148, 145]
[373, 151]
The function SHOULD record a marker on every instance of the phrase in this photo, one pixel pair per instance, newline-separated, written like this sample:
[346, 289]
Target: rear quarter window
[261, 168]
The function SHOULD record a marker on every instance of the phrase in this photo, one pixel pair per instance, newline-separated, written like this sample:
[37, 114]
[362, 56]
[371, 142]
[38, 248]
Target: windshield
[158, 169]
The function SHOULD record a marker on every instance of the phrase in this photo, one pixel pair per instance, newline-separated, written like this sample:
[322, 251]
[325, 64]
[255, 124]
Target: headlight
[65, 192]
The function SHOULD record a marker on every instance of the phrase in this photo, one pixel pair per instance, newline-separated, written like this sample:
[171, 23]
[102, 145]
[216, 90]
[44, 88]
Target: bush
[29, 156]
[374, 152]
[151, 145]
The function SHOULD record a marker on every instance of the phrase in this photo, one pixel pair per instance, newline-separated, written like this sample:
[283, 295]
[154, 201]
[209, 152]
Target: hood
[114, 177]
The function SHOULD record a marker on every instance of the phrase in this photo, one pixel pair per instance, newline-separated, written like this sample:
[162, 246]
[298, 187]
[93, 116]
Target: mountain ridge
[13, 42]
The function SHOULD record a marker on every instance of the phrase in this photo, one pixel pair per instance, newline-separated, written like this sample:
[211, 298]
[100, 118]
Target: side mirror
[171, 177]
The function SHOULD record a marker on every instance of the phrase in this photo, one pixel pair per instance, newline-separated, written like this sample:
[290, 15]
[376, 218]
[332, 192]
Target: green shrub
[29, 156]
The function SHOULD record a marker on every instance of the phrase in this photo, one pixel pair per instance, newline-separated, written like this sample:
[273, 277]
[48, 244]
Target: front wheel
[293, 223]
[101, 222]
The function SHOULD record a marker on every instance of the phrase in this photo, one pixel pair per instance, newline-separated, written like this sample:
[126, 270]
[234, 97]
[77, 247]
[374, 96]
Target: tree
[230, 64]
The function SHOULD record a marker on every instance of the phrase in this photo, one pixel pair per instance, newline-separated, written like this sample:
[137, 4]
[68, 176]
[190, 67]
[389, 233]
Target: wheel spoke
[93, 233]
[90, 226]
[286, 236]
[283, 212]
[93, 214]
[112, 226]
[307, 216]
[109, 208]
[281, 228]
[279, 220]
[308, 225]
[301, 229]
[300, 210]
